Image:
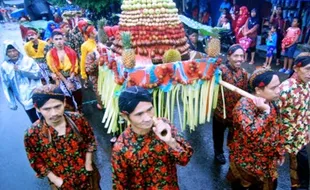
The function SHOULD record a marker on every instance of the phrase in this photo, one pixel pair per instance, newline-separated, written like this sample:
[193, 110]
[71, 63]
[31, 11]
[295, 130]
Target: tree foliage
[58, 2]
[94, 5]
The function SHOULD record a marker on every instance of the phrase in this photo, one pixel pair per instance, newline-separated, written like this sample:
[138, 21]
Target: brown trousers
[240, 179]
[94, 180]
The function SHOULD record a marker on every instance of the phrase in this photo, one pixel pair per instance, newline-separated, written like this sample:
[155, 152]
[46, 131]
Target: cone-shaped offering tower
[155, 28]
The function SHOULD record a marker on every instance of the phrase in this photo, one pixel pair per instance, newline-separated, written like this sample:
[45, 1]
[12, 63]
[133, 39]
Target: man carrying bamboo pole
[237, 76]
[146, 153]
[295, 112]
[256, 146]
[60, 145]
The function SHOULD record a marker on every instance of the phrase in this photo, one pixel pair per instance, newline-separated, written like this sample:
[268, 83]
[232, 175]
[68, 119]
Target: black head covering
[42, 94]
[260, 78]
[233, 48]
[130, 98]
[253, 20]
[302, 60]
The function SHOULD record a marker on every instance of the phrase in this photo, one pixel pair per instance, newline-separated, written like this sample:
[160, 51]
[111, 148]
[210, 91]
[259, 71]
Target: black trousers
[279, 42]
[78, 98]
[32, 114]
[302, 169]
[218, 131]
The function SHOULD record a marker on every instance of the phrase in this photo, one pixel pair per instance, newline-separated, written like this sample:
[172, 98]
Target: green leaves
[94, 5]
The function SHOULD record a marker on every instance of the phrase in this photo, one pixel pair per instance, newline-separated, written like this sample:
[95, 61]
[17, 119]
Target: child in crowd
[226, 24]
[289, 44]
[271, 45]
[225, 14]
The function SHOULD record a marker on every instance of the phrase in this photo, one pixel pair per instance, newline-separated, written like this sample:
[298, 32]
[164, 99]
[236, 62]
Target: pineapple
[214, 47]
[102, 36]
[128, 55]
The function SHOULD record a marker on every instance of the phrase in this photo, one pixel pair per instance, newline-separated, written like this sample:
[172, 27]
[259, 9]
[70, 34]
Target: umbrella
[18, 13]
[37, 24]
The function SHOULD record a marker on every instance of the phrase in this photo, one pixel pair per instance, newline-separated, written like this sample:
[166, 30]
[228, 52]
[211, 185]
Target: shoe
[99, 107]
[220, 158]
[282, 70]
[288, 72]
[113, 141]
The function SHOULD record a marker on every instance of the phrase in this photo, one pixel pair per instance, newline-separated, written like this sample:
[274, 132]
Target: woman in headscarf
[242, 18]
[51, 25]
[250, 30]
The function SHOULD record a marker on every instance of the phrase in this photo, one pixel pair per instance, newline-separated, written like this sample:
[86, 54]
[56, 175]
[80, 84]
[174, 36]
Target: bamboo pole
[236, 89]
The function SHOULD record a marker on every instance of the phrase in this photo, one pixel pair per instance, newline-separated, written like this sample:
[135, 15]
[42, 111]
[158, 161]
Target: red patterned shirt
[63, 155]
[256, 145]
[295, 113]
[146, 162]
[234, 76]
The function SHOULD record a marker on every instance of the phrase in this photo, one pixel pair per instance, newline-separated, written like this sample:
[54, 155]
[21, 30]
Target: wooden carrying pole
[236, 89]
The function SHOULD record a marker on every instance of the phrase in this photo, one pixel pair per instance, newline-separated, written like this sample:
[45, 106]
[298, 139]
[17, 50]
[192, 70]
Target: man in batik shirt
[146, 153]
[233, 74]
[35, 49]
[63, 62]
[60, 145]
[295, 113]
[256, 146]
[76, 37]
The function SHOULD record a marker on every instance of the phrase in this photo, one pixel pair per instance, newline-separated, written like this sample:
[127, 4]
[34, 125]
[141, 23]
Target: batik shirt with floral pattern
[63, 155]
[75, 39]
[237, 77]
[145, 162]
[295, 112]
[256, 145]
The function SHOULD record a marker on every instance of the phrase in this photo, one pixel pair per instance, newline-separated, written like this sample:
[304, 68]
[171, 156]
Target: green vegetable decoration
[171, 55]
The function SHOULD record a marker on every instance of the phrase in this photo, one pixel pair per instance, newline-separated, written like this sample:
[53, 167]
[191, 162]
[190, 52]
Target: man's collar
[230, 67]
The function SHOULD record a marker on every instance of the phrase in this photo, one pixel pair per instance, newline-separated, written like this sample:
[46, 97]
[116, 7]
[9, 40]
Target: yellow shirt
[64, 66]
[86, 48]
[31, 52]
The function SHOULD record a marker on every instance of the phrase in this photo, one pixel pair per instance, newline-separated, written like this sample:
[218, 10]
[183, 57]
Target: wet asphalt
[16, 174]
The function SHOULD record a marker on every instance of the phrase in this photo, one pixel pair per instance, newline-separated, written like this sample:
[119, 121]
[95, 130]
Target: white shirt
[226, 26]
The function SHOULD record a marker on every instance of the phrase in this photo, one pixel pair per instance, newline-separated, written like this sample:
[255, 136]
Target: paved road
[16, 174]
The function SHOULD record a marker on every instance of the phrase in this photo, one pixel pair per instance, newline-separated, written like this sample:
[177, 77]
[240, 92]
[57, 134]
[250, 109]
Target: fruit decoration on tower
[155, 28]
